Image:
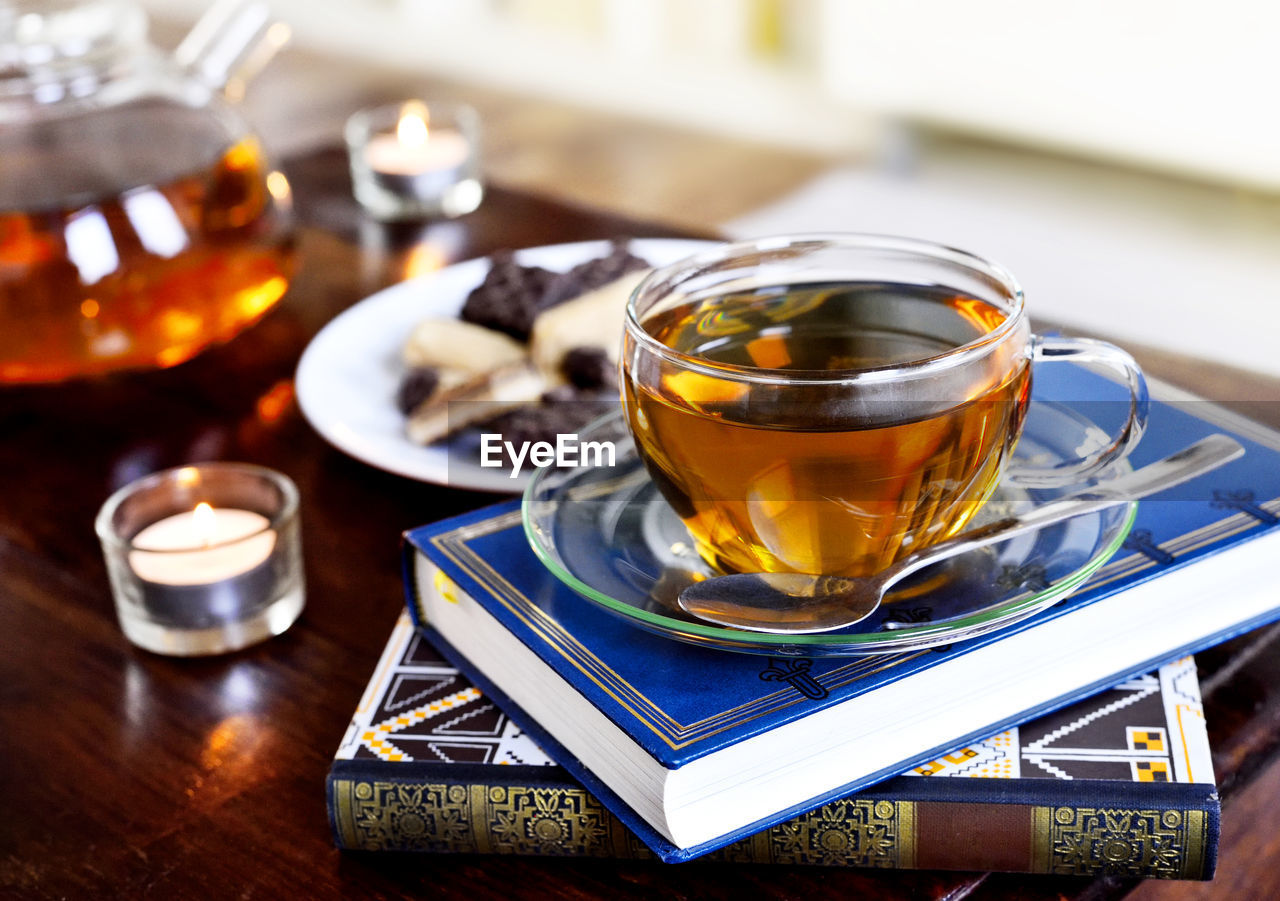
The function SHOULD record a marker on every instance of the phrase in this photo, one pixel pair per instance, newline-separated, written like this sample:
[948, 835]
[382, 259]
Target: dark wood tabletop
[126, 774]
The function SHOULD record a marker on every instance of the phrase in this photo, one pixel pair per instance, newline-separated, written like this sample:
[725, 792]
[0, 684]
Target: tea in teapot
[140, 221]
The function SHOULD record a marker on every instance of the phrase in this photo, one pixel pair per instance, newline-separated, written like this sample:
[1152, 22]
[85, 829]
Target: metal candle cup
[204, 559]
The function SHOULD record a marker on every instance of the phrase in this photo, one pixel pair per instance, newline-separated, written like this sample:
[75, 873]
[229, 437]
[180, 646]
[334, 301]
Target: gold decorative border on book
[860, 832]
[1167, 844]
[383, 815]
[1194, 540]
[454, 546]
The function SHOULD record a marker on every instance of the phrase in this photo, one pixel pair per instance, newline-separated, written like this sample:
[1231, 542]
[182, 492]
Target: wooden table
[133, 775]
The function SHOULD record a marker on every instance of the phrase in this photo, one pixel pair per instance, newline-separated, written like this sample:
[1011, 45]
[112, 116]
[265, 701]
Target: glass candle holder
[204, 559]
[415, 160]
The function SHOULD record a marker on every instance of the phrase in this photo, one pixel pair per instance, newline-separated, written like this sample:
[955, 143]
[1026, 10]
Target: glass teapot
[139, 219]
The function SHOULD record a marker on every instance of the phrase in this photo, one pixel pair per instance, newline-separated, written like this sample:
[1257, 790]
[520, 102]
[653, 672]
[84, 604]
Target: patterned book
[1120, 783]
[693, 751]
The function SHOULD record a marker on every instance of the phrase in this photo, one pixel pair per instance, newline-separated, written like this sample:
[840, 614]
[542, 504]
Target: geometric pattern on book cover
[1148, 729]
[420, 706]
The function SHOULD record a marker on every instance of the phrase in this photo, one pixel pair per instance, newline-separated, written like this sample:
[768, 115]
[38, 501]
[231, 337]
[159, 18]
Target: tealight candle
[413, 150]
[203, 546]
[414, 160]
[221, 572]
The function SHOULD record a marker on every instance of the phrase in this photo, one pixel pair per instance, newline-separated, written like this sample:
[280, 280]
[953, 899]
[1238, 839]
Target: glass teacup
[830, 403]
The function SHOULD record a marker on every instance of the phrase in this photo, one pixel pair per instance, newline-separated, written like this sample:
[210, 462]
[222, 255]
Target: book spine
[382, 810]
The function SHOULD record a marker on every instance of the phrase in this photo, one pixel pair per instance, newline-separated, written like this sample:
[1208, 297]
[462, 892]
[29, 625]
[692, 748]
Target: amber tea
[144, 273]
[791, 469]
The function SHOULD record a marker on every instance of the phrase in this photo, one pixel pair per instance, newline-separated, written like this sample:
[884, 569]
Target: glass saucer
[607, 533]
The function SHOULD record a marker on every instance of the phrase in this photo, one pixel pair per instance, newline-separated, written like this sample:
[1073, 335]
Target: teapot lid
[51, 49]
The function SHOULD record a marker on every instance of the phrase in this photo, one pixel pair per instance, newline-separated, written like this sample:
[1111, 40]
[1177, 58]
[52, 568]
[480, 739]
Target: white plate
[348, 375]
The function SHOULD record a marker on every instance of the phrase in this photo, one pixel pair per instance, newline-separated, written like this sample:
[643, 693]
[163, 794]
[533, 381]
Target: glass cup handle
[1086, 350]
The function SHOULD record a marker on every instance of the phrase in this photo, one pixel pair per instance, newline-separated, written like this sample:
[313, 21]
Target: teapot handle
[231, 43]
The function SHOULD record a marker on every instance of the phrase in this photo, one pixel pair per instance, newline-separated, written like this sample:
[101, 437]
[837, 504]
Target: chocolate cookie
[589, 368]
[417, 385]
[592, 274]
[509, 297]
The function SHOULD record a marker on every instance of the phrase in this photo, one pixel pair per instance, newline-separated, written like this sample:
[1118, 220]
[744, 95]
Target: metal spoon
[797, 603]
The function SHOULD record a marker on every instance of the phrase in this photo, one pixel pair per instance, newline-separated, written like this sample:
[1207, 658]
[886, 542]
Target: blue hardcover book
[695, 748]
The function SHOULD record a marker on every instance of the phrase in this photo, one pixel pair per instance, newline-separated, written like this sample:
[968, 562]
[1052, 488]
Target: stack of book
[1120, 781]
[1083, 745]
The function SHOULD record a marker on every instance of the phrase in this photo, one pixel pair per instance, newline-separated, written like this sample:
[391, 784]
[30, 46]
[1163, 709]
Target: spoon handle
[1206, 454]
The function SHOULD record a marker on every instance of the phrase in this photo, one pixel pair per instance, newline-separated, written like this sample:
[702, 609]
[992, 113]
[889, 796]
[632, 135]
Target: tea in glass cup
[829, 404]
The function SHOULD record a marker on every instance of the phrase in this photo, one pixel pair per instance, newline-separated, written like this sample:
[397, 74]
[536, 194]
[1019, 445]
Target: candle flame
[411, 131]
[205, 522]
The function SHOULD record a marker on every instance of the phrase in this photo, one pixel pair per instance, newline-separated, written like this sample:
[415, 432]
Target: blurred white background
[1180, 85]
[1122, 157]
